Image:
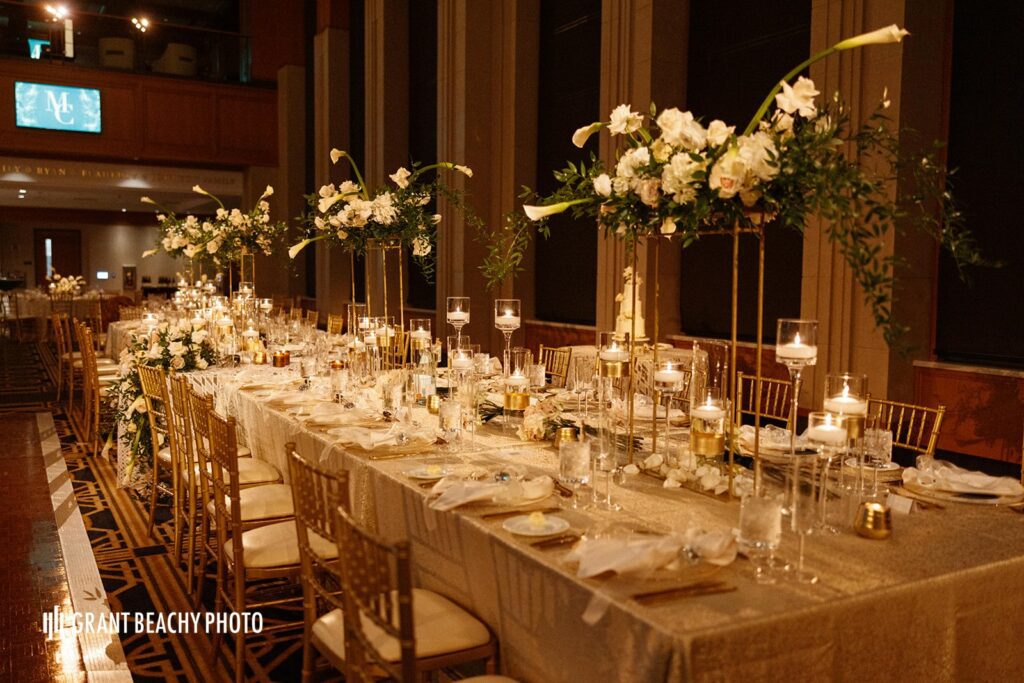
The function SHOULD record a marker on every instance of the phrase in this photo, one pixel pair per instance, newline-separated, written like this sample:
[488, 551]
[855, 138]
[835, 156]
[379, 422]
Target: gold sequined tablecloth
[941, 601]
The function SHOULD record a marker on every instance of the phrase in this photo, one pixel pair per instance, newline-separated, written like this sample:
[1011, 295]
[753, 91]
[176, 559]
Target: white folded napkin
[773, 437]
[456, 491]
[643, 409]
[624, 555]
[944, 476]
[641, 555]
[369, 439]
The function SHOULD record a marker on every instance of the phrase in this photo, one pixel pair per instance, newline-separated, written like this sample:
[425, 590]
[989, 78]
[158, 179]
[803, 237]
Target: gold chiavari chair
[271, 503]
[387, 628]
[95, 388]
[181, 424]
[915, 428]
[295, 313]
[395, 349]
[129, 313]
[317, 493]
[775, 398]
[556, 363]
[335, 323]
[313, 317]
[12, 318]
[164, 446]
[106, 370]
[248, 559]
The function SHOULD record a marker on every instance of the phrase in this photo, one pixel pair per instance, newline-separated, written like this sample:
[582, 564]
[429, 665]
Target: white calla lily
[580, 137]
[536, 213]
[888, 34]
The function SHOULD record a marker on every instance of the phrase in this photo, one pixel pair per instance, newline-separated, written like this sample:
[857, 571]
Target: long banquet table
[941, 600]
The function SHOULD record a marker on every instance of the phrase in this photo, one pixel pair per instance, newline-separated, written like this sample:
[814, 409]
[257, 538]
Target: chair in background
[317, 493]
[915, 428]
[106, 370]
[248, 558]
[335, 323]
[295, 313]
[556, 363]
[178, 59]
[387, 628]
[13, 321]
[312, 317]
[130, 313]
[775, 398]
[117, 53]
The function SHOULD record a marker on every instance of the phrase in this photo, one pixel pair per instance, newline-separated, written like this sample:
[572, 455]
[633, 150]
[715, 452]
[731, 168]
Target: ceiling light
[141, 24]
[22, 191]
[58, 12]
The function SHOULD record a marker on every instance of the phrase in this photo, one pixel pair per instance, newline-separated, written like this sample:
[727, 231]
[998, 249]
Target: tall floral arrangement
[677, 177]
[172, 346]
[222, 238]
[351, 215]
[65, 285]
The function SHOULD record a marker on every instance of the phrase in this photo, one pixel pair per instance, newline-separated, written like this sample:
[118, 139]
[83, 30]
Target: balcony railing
[123, 44]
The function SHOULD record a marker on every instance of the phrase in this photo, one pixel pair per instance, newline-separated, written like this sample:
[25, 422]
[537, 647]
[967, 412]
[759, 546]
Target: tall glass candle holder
[796, 347]
[424, 372]
[613, 364]
[507, 319]
[829, 434]
[517, 387]
[669, 380]
[355, 316]
[458, 313]
[709, 376]
[846, 394]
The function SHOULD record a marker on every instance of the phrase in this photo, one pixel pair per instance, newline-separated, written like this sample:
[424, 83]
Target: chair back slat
[154, 391]
[376, 581]
[181, 423]
[556, 363]
[335, 323]
[225, 491]
[313, 317]
[775, 397]
[914, 427]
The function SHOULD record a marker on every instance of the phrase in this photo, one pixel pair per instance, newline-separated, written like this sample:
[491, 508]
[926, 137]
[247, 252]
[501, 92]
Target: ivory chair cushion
[277, 545]
[441, 627]
[102, 364]
[252, 471]
[264, 502]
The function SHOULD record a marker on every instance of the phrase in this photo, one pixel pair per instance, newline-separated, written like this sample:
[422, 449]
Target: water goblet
[574, 468]
[761, 532]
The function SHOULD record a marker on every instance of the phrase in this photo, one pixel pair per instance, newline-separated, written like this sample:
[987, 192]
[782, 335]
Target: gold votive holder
[565, 435]
[854, 427]
[337, 365]
[612, 368]
[873, 521]
[259, 358]
[433, 404]
[282, 359]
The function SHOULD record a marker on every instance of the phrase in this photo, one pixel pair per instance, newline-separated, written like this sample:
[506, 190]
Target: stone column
[290, 187]
[487, 109]
[331, 61]
[386, 123]
[640, 63]
[847, 337]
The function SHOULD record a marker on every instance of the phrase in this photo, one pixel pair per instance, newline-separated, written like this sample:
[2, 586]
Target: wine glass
[449, 417]
[458, 313]
[507, 319]
[578, 381]
[761, 531]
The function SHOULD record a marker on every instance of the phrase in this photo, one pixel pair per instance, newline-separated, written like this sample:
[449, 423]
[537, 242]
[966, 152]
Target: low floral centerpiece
[180, 347]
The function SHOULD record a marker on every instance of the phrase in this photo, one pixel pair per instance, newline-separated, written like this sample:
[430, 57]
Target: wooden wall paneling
[171, 133]
[246, 127]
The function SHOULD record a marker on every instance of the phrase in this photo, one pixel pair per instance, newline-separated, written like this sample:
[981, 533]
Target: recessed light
[22, 191]
[21, 196]
[124, 210]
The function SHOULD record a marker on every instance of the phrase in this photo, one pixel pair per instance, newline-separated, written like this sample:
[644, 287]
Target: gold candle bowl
[282, 359]
[613, 368]
[433, 404]
[259, 358]
[337, 365]
[873, 521]
[565, 435]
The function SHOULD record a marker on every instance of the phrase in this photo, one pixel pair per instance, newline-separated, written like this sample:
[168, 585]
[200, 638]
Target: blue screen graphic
[57, 107]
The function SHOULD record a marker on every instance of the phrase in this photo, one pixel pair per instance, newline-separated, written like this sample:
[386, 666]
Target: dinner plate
[429, 472]
[523, 526]
[979, 498]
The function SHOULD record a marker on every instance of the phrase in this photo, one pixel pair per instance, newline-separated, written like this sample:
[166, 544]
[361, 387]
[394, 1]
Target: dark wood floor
[32, 572]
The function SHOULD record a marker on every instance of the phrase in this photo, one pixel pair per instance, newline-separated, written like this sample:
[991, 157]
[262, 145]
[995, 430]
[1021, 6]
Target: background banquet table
[119, 335]
[940, 600]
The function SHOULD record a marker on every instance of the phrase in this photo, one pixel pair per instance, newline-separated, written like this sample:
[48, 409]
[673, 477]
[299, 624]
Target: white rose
[199, 336]
[728, 173]
[680, 129]
[624, 121]
[212, 246]
[603, 185]
[668, 227]
[631, 160]
[176, 348]
[177, 362]
[201, 363]
[326, 191]
[718, 132]
[647, 190]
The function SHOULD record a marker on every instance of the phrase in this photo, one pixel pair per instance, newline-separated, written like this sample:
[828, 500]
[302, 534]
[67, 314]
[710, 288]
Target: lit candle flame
[796, 339]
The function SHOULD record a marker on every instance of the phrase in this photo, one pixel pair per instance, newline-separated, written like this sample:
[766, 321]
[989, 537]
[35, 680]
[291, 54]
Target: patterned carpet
[137, 571]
